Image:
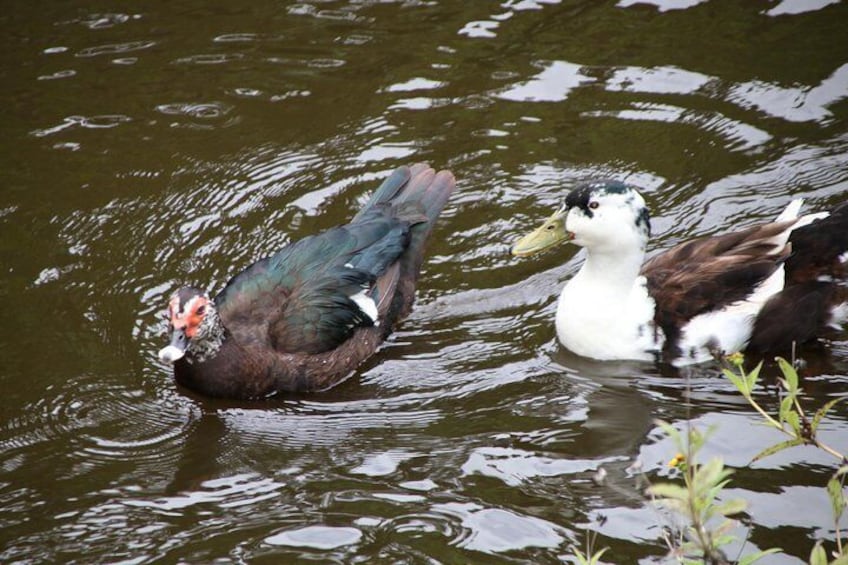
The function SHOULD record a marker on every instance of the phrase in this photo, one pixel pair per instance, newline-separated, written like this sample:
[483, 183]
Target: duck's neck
[611, 272]
[212, 335]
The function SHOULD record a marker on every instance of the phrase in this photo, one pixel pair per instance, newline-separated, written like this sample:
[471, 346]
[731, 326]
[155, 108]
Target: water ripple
[208, 110]
[101, 422]
[88, 122]
[58, 74]
[246, 37]
[516, 466]
[553, 84]
[799, 104]
[496, 530]
[225, 492]
[210, 58]
[114, 48]
[317, 537]
[106, 20]
[325, 63]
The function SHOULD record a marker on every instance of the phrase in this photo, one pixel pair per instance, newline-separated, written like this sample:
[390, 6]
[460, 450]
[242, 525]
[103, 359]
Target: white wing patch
[366, 305]
[728, 329]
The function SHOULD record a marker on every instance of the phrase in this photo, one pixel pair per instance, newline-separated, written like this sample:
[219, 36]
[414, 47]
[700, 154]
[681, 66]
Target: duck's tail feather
[386, 191]
[412, 197]
[429, 190]
[412, 191]
[420, 202]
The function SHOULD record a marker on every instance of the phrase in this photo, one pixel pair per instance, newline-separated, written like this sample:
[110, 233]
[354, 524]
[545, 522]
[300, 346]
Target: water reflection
[805, 104]
[317, 537]
[553, 84]
[494, 530]
[151, 150]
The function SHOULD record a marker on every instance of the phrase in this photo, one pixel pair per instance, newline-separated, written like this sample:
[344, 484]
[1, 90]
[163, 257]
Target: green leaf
[668, 490]
[818, 556]
[748, 559]
[740, 384]
[785, 407]
[713, 492]
[596, 557]
[752, 377]
[820, 413]
[581, 559]
[671, 432]
[837, 499]
[711, 473]
[696, 441]
[795, 422]
[841, 471]
[789, 373]
[721, 541]
[732, 507]
[777, 447]
[724, 528]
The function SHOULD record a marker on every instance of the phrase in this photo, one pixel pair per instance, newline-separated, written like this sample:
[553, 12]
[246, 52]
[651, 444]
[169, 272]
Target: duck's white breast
[592, 322]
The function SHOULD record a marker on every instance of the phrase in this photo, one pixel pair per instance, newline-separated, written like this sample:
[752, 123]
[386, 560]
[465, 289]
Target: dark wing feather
[709, 273]
[817, 247]
[795, 315]
[815, 283]
[298, 300]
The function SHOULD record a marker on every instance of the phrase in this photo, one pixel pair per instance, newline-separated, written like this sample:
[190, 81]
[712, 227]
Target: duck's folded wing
[710, 273]
[312, 295]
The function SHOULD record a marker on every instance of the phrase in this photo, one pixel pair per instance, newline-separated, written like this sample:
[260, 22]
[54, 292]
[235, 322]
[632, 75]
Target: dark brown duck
[304, 318]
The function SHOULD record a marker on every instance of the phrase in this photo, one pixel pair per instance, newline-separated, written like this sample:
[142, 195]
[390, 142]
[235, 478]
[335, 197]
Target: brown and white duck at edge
[759, 289]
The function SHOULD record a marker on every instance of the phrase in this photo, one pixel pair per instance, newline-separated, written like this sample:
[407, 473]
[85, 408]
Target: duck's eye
[593, 204]
[550, 227]
[201, 310]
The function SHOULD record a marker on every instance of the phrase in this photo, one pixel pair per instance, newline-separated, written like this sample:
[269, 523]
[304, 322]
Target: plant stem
[766, 415]
[828, 449]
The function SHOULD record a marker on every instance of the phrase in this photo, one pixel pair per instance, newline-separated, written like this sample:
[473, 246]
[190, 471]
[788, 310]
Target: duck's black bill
[176, 349]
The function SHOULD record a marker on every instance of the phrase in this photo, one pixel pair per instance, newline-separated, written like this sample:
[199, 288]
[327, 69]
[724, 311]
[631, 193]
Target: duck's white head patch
[607, 214]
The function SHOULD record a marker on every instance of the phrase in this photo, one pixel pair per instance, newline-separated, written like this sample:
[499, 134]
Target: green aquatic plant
[793, 421]
[708, 519]
[589, 558]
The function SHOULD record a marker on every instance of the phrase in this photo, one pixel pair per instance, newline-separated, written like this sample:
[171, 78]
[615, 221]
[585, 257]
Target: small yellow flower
[677, 460]
[735, 359]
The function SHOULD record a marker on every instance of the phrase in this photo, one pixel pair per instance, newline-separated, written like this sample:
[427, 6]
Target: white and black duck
[306, 317]
[759, 290]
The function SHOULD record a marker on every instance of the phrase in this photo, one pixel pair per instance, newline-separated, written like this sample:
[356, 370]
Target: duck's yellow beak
[548, 234]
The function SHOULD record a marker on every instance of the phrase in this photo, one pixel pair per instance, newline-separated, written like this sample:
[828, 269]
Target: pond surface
[145, 147]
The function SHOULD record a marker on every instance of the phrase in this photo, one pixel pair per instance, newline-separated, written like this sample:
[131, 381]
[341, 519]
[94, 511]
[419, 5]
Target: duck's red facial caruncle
[187, 317]
[186, 311]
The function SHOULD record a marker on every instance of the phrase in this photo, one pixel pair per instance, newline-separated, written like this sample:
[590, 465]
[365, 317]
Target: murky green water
[149, 146]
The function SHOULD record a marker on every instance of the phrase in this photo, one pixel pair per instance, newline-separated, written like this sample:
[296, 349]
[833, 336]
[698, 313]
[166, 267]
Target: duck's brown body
[306, 317]
[256, 371]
